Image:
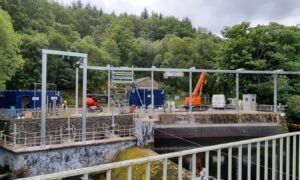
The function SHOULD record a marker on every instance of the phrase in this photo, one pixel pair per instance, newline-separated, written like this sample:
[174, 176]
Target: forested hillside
[150, 39]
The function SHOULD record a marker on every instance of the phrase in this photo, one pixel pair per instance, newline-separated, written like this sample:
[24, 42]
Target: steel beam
[108, 88]
[275, 92]
[63, 53]
[152, 86]
[84, 110]
[190, 91]
[76, 92]
[188, 70]
[237, 92]
[44, 92]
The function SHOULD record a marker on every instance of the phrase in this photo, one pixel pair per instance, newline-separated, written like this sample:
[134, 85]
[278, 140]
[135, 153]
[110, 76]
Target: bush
[293, 109]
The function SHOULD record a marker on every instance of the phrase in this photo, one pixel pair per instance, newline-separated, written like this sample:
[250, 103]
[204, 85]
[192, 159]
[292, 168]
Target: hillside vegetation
[151, 39]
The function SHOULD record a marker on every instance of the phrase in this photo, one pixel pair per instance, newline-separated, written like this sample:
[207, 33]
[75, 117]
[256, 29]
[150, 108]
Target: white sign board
[53, 98]
[35, 98]
[173, 74]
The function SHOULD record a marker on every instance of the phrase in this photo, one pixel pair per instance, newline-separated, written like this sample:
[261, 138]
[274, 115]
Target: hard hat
[65, 102]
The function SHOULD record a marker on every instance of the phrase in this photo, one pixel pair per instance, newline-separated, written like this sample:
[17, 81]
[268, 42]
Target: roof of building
[141, 79]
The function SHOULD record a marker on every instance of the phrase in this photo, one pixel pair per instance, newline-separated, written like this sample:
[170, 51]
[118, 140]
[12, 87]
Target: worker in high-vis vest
[64, 106]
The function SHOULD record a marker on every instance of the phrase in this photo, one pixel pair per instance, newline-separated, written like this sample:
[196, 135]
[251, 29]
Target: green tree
[10, 58]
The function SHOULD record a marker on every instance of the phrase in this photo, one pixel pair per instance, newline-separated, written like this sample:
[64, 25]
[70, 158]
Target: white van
[218, 101]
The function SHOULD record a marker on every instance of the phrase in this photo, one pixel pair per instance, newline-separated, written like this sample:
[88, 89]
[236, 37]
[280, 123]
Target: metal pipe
[43, 106]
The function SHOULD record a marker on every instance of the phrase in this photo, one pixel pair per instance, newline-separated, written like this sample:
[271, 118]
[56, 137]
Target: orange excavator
[197, 94]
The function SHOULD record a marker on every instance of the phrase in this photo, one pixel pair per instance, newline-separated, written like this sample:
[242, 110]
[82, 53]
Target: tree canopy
[10, 59]
[150, 39]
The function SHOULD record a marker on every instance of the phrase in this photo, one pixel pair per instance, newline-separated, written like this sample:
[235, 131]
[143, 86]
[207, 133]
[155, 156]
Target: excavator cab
[197, 93]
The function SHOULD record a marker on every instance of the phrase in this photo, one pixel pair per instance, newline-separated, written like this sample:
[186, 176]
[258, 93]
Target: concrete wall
[33, 125]
[54, 160]
[210, 118]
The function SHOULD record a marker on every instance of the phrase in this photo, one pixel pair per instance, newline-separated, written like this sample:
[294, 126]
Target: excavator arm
[197, 93]
[199, 87]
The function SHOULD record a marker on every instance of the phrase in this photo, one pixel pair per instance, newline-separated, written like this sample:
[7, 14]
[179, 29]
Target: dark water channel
[173, 145]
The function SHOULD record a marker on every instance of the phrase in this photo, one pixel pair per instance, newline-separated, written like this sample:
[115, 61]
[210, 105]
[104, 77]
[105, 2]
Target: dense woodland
[151, 39]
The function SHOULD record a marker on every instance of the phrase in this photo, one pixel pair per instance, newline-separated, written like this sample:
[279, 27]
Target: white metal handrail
[246, 143]
[31, 139]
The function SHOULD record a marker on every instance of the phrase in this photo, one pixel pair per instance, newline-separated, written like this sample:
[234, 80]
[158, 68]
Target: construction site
[41, 133]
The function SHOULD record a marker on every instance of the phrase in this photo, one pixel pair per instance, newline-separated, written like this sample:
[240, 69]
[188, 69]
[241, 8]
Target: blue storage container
[21, 99]
[142, 97]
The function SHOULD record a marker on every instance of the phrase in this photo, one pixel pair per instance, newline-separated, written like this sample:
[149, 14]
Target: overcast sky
[211, 14]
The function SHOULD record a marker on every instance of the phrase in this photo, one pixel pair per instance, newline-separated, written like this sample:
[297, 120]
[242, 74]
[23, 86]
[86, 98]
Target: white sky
[210, 14]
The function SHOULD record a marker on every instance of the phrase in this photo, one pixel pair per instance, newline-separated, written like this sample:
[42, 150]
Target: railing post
[299, 157]
[266, 159]
[4, 140]
[229, 163]
[287, 171]
[15, 134]
[274, 159]
[180, 168]
[249, 162]
[194, 166]
[85, 177]
[108, 175]
[240, 157]
[165, 169]
[219, 164]
[281, 159]
[129, 173]
[148, 171]
[258, 161]
[294, 158]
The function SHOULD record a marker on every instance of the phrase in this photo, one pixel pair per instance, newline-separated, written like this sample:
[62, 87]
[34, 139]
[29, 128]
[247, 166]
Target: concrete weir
[225, 125]
[70, 152]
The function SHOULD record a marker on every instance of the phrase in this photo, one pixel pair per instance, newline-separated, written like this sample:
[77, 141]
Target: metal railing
[21, 139]
[274, 157]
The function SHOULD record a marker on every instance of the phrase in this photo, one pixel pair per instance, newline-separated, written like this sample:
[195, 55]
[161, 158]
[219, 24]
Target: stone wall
[33, 125]
[55, 160]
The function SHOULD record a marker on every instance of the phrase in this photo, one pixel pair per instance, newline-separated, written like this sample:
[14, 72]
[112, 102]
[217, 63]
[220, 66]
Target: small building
[249, 102]
[141, 94]
[145, 83]
[22, 99]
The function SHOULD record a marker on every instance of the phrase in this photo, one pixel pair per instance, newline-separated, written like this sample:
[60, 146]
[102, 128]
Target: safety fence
[273, 157]
[19, 139]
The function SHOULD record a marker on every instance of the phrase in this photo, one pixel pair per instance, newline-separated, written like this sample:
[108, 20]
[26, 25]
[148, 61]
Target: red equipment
[197, 94]
[91, 103]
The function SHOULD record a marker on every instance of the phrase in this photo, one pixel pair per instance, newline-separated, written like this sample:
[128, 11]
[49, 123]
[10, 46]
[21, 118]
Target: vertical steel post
[108, 89]
[275, 92]
[44, 84]
[190, 91]
[76, 92]
[237, 92]
[84, 110]
[152, 86]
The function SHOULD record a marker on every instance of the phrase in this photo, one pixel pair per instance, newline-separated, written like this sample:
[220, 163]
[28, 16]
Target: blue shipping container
[142, 97]
[21, 99]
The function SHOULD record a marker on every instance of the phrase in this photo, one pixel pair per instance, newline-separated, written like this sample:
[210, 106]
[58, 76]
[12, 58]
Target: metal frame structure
[45, 53]
[191, 70]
